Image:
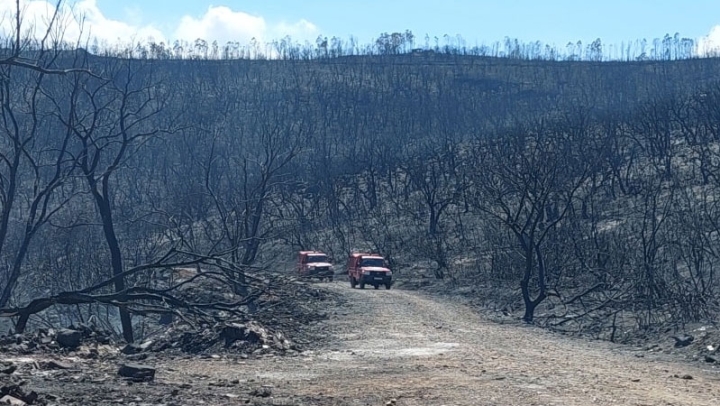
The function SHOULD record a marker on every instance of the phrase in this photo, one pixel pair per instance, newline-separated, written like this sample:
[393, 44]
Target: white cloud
[84, 20]
[113, 30]
[301, 30]
[710, 44]
[81, 21]
[222, 24]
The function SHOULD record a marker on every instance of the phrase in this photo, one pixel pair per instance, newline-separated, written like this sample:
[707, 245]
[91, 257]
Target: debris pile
[283, 320]
[51, 340]
[82, 364]
[236, 337]
[14, 394]
[39, 380]
[296, 308]
[287, 308]
[12, 391]
[702, 343]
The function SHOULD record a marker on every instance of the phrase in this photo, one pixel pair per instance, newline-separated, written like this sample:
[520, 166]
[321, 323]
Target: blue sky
[551, 21]
[479, 21]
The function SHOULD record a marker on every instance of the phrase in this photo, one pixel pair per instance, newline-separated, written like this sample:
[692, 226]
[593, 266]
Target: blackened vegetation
[586, 189]
[295, 307]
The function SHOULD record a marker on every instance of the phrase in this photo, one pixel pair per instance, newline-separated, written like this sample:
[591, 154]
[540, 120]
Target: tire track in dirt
[394, 344]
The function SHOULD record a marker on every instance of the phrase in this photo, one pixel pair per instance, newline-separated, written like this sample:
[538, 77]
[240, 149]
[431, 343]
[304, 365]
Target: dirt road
[399, 345]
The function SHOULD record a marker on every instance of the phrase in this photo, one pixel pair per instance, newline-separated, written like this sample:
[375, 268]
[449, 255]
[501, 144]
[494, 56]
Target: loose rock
[264, 392]
[131, 349]
[68, 338]
[52, 364]
[683, 341]
[14, 393]
[7, 367]
[10, 400]
[137, 372]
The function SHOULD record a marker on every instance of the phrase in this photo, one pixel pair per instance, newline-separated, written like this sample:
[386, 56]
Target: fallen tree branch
[146, 300]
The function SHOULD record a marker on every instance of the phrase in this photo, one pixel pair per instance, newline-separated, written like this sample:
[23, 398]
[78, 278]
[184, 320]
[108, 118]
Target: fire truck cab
[314, 264]
[368, 269]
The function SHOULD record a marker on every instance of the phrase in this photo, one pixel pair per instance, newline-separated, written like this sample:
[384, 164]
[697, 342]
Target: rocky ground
[377, 347]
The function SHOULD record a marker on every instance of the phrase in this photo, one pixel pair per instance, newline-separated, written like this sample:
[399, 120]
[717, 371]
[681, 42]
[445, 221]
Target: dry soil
[402, 347]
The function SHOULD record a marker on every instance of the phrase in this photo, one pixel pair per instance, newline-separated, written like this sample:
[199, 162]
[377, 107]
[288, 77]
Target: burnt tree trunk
[116, 262]
[533, 259]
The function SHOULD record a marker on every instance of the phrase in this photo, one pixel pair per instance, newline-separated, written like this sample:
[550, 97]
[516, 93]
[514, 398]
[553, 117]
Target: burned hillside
[576, 194]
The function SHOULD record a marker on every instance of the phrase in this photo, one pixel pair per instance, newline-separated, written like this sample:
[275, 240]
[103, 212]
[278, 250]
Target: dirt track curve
[399, 345]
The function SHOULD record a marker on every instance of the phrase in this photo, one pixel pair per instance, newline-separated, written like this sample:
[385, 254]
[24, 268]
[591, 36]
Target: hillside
[576, 195]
